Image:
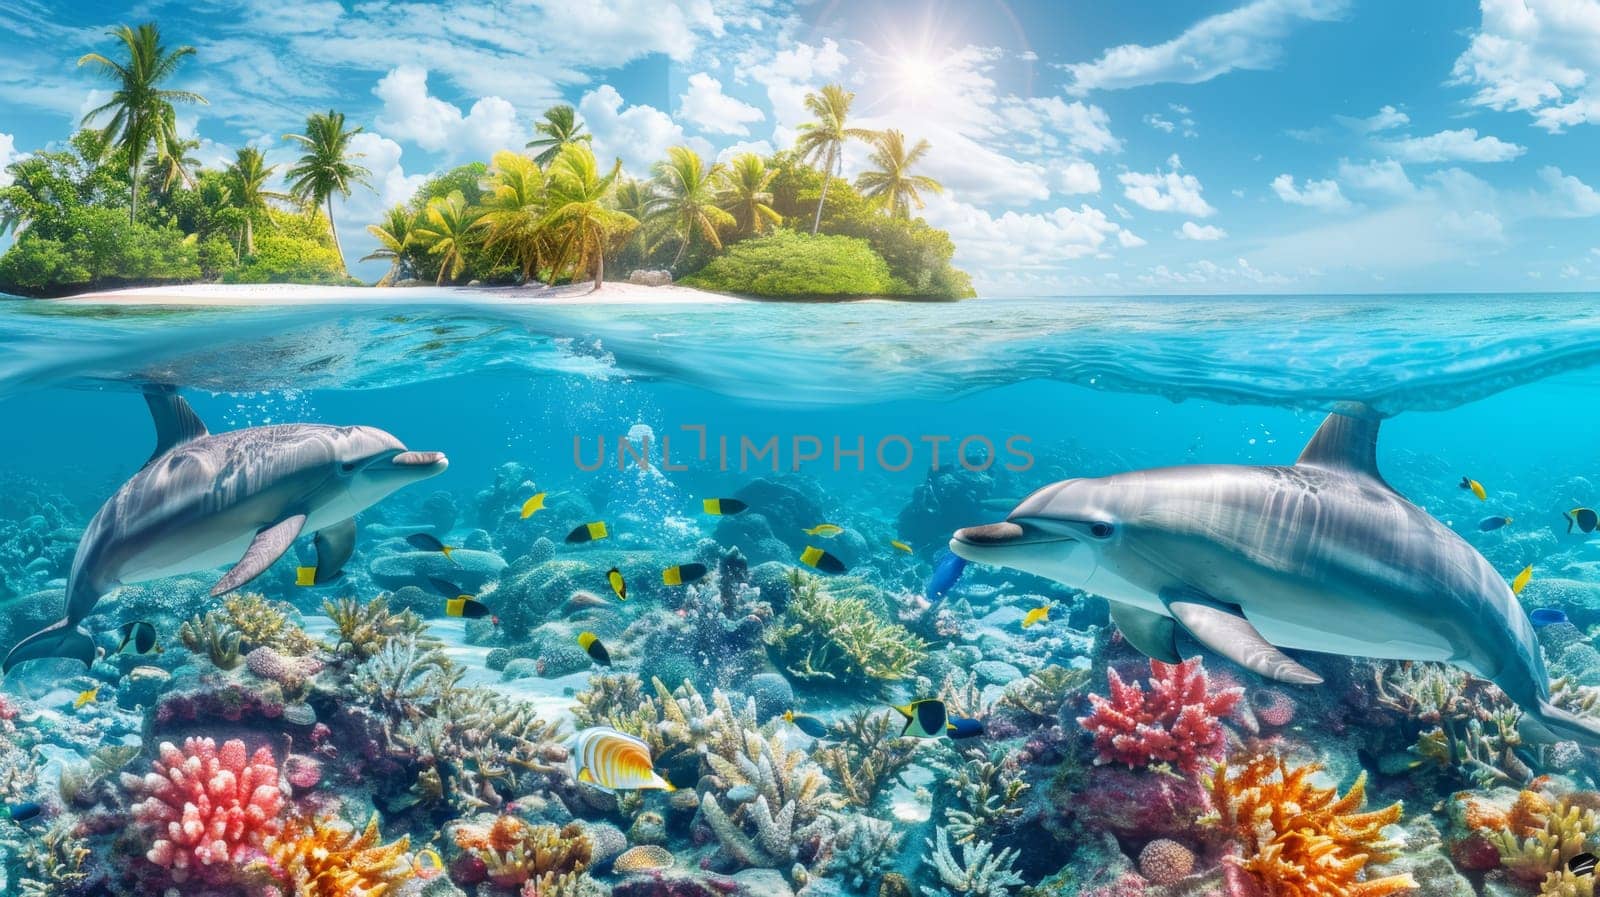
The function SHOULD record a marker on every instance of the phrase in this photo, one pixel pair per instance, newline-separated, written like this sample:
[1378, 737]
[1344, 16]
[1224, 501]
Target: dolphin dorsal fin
[1347, 441]
[176, 423]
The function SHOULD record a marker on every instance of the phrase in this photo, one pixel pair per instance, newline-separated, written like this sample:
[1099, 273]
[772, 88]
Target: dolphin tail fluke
[1549, 723]
[60, 639]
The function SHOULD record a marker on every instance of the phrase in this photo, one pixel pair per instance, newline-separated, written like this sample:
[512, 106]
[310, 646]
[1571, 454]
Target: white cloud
[1323, 195]
[411, 114]
[638, 135]
[759, 147]
[1012, 240]
[1192, 231]
[1536, 56]
[1077, 176]
[1386, 176]
[1461, 145]
[1567, 197]
[8, 154]
[1130, 240]
[1159, 123]
[1384, 119]
[1206, 274]
[1249, 37]
[1054, 121]
[713, 111]
[788, 75]
[390, 185]
[1166, 191]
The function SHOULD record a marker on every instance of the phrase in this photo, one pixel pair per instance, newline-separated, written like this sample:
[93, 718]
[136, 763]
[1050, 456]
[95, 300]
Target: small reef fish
[1490, 524]
[141, 635]
[959, 727]
[1547, 616]
[533, 506]
[1037, 615]
[926, 718]
[1585, 519]
[945, 575]
[85, 697]
[900, 546]
[425, 542]
[1582, 864]
[721, 506]
[683, 574]
[818, 559]
[467, 607]
[20, 812]
[1475, 487]
[612, 761]
[810, 725]
[619, 586]
[427, 864]
[825, 530]
[588, 532]
[592, 646]
[1521, 582]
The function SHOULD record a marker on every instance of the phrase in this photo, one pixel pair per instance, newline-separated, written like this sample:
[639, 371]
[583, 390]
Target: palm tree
[891, 184]
[394, 236]
[173, 163]
[577, 218]
[513, 212]
[560, 128]
[141, 110]
[686, 199]
[446, 230]
[745, 195]
[823, 140]
[246, 183]
[326, 169]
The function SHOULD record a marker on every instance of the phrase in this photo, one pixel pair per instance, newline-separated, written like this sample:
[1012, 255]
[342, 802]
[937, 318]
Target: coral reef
[509, 852]
[826, 633]
[1299, 840]
[1178, 722]
[326, 857]
[981, 872]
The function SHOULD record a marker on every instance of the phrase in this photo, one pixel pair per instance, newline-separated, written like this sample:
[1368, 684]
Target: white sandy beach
[217, 295]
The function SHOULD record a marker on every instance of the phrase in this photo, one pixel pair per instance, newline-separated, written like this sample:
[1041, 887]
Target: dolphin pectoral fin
[1548, 724]
[59, 639]
[176, 422]
[1232, 636]
[1154, 635]
[335, 544]
[268, 546]
[1347, 441]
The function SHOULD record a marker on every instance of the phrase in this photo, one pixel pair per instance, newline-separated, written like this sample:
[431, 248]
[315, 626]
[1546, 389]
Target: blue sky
[1131, 147]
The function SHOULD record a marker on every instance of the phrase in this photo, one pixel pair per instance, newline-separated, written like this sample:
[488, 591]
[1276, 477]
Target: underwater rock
[763, 882]
[772, 693]
[996, 672]
[497, 659]
[948, 499]
[772, 581]
[608, 842]
[521, 668]
[141, 686]
[1136, 803]
[469, 569]
[439, 511]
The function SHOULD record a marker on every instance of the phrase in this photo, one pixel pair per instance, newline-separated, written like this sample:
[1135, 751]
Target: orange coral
[1300, 840]
[327, 858]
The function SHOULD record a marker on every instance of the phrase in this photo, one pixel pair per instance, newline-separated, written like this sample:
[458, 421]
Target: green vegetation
[798, 264]
[124, 204]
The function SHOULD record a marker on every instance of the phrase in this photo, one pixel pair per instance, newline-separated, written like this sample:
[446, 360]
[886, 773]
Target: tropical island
[124, 204]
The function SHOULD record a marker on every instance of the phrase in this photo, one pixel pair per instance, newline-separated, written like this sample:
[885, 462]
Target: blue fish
[945, 575]
[1547, 616]
[960, 727]
[1490, 524]
[20, 812]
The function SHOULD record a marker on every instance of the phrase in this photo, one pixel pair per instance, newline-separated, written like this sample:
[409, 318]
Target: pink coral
[287, 670]
[1273, 707]
[207, 810]
[1177, 722]
[1164, 861]
[302, 772]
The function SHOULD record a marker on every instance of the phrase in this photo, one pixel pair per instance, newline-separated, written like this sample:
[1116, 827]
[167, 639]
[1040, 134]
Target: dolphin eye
[348, 467]
[1100, 529]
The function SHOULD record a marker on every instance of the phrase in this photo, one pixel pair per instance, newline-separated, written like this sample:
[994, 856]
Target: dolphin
[241, 498]
[1320, 556]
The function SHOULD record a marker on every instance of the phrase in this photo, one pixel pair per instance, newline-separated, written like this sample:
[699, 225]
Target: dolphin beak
[420, 464]
[992, 542]
[990, 534]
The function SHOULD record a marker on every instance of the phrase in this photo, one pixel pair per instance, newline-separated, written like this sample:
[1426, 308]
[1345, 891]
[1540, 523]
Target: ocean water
[811, 414]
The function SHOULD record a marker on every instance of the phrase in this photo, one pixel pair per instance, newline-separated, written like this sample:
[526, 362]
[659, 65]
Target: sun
[915, 76]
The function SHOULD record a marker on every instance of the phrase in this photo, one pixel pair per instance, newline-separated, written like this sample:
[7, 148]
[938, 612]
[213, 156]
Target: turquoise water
[1498, 388]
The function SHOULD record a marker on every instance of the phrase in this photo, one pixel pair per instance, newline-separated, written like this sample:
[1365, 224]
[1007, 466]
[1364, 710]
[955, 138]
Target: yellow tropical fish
[1521, 582]
[816, 558]
[612, 761]
[87, 697]
[533, 505]
[588, 532]
[1037, 615]
[618, 584]
[427, 864]
[825, 530]
[305, 576]
[900, 545]
[1475, 487]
